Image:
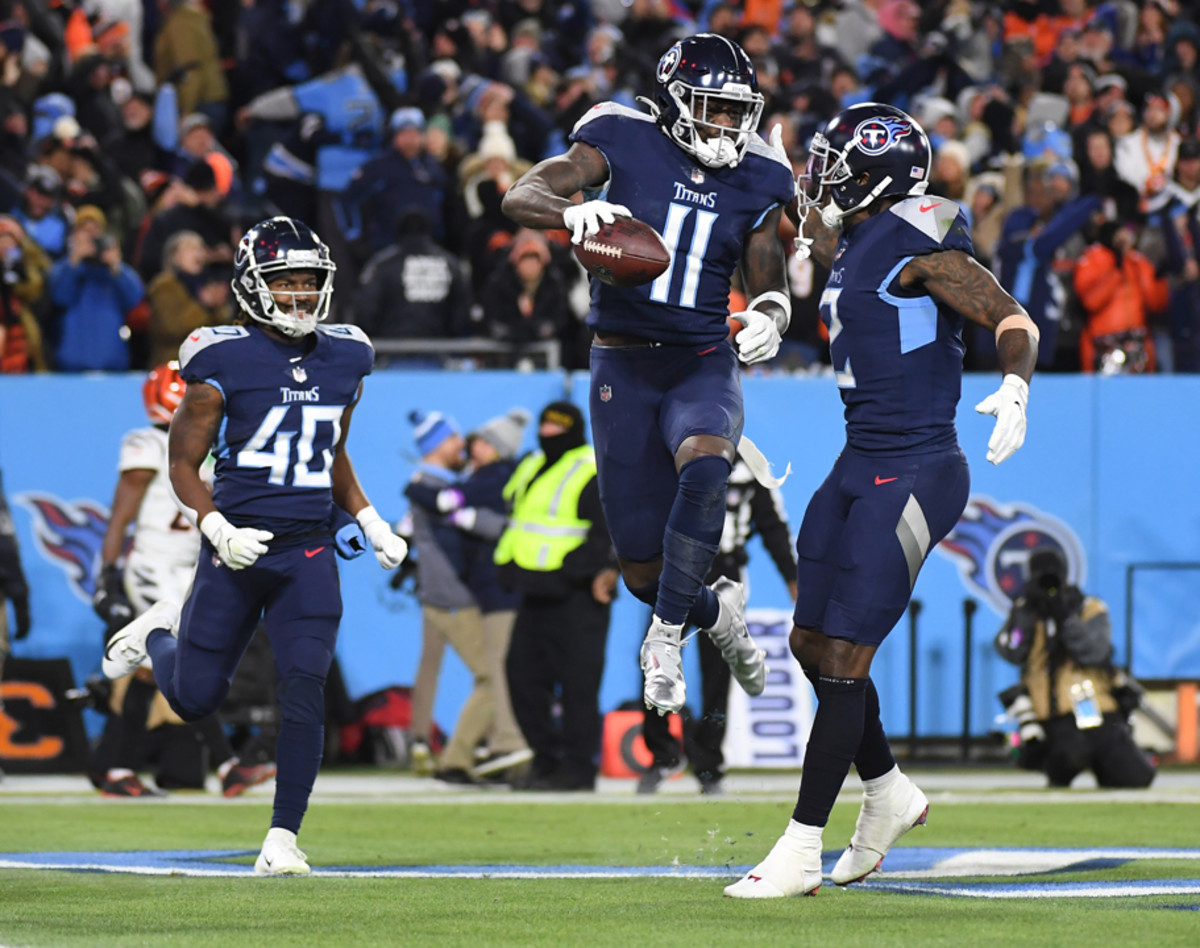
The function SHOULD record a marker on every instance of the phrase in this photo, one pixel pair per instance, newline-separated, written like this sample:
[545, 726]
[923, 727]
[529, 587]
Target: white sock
[803, 836]
[880, 785]
[119, 773]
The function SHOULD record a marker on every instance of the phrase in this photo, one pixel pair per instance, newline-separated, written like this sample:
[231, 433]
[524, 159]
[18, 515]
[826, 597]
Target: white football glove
[1007, 403]
[759, 339]
[238, 547]
[586, 219]
[389, 549]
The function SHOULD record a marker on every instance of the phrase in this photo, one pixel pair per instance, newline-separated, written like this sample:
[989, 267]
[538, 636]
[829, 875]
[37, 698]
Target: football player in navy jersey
[666, 398]
[272, 397]
[902, 279]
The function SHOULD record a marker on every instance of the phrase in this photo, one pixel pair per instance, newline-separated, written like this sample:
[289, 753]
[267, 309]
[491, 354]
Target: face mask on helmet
[707, 100]
[273, 249]
[866, 152]
[162, 393]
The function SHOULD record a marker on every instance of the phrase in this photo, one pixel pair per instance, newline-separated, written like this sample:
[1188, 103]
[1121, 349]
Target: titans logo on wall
[69, 534]
[991, 544]
[877, 135]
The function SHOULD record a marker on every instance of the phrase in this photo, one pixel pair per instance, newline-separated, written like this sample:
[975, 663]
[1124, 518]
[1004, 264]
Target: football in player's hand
[624, 253]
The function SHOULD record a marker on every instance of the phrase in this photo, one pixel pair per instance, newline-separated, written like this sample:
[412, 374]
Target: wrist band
[1018, 321]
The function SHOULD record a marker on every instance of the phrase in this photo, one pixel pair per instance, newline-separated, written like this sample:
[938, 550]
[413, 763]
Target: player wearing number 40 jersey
[666, 398]
[272, 398]
[902, 279]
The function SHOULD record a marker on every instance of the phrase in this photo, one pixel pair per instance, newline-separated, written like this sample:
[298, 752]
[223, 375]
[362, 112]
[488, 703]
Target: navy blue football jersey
[897, 354]
[703, 214]
[283, 419]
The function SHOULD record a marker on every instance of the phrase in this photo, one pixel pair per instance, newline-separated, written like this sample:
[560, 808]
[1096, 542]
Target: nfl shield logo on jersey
[697, 176]
[299, 374]
[605, 393]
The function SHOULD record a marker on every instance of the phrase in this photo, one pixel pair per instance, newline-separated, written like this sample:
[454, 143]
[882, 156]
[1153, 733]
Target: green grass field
[51, 908]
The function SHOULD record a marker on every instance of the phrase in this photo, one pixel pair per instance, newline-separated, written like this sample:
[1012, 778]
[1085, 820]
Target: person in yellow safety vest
[556, 552]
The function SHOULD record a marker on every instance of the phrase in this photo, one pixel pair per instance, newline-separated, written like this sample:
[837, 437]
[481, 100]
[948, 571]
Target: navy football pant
[865, 535]
[295, 590]
[645, 402]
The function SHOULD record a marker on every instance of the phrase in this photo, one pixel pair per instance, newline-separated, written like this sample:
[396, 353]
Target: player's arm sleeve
[766, 510]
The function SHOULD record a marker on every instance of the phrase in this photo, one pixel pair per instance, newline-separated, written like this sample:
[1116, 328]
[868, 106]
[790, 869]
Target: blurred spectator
[185, 296]
[185, 55]
[1031, 241]
[556, 552]
[952, 173]
[803, 60]
[448, 608]
[1146, 156]
[93, 290]
[1183, 242]
[414, 289]
[88, 85]
[14, 132]
[525, 300]
[289, 169]
[271, 47]
[992, 196]
[1118, 290]
[857, 28]
[42, 214]
[486, 176]
[383, 189]
[197, 206]
[22, 284]
[479, 510]
[136, 149]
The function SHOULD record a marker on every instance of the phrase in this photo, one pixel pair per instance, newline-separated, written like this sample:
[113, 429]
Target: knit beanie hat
[504, 432]
[431, 429]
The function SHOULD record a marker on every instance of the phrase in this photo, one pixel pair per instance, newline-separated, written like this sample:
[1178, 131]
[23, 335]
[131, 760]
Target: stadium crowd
[138, 139]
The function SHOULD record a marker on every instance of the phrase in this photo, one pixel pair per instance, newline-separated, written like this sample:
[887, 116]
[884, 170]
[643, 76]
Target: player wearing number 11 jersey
[272, 398]
[666, 398]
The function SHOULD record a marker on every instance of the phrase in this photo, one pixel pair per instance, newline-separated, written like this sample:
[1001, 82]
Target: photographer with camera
[1072, 705]
[93, 289]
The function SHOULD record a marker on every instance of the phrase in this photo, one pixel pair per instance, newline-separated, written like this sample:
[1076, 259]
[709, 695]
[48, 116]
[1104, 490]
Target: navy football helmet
[866, 152]
[698, 77]
[272, 247]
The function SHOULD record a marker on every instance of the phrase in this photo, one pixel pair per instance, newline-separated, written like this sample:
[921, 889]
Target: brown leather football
[624, 253]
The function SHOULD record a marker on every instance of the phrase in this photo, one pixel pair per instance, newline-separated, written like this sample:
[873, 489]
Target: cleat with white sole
[792, 868]
[280, 856]
[884, 818]
[664, 689]
[745, 659]
[126, 650]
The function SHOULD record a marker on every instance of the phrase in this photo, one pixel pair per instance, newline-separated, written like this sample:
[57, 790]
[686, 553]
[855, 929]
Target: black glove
[21, 611]
[110, 602]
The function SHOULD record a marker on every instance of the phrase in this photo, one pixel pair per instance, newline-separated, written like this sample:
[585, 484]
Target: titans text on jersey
[282, 419]
[703, 214]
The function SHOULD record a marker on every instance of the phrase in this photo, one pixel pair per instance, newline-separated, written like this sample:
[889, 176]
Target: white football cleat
[662, 665]
[280, 855]
[745, 659]
[792, 867]
[886, 815]
[126, 650]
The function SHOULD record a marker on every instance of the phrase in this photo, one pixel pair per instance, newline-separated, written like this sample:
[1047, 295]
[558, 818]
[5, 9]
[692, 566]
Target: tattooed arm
[957, 280]
[540, 196]
[193, 430]
[764, 269]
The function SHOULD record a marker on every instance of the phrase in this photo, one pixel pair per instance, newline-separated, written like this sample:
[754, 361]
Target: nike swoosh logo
[884, 480]
[311, 553]
[927, 207]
